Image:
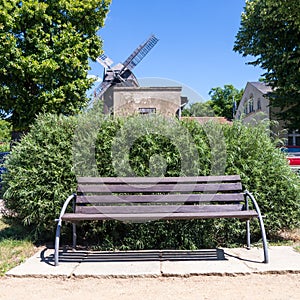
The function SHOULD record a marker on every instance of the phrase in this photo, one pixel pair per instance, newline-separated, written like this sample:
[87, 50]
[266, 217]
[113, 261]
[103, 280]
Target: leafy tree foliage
[199, 109]
[44, 51]
[5, 134]
[223, 100]
[270, 31]
[221, 104]
[5, 129]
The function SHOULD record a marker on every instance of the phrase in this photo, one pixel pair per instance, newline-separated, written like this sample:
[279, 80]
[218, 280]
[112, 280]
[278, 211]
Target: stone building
[255, 106]
[129, 100]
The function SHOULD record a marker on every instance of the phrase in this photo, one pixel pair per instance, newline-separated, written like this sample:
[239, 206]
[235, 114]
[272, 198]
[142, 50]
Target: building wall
[108, 101]
[253, 106]
[136, 100]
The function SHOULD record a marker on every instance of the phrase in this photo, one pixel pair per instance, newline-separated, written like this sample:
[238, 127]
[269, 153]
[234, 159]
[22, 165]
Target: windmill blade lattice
[140, 52]
[121, 72]
[104, 60]
[101, 89]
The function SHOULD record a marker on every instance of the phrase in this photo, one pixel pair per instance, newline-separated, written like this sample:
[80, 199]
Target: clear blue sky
[196, 38]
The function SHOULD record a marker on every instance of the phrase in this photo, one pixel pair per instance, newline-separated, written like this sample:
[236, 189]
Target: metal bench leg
[248, 226]
[262, 227]
[264, 238]
[57, 237]
[74, 237]
[248, 235]
[58, 228]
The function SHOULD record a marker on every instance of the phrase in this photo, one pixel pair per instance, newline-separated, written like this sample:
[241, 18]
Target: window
[146, 111]
[250, 104]
[294, 138]
[246, 108]
[258, 104]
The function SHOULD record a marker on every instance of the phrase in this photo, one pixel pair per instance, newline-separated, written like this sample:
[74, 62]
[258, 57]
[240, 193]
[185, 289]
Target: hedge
[42, 172]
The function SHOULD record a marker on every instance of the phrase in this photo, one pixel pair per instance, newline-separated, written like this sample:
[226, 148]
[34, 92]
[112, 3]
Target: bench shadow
[82, 256]
[244, 259]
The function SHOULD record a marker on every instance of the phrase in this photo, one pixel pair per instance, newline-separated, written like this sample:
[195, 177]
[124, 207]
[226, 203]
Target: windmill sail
[101, 89]
[140, 53]
[104, 60]
[122, 72]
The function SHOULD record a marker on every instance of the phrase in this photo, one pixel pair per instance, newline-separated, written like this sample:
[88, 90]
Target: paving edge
[163, 275]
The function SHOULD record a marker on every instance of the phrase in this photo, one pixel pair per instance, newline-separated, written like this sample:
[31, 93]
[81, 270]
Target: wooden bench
[141, 199]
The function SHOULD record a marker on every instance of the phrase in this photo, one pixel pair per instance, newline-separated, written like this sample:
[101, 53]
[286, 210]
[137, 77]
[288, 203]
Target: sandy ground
[271, 286]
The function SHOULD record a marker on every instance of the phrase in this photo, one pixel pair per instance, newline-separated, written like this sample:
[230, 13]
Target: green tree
[198, 109]
[223, 100]
[5, 134]
[270, 31]
[45, 46]
[4, 131]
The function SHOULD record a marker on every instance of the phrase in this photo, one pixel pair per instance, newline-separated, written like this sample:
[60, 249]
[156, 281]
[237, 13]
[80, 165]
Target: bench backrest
[122, 191]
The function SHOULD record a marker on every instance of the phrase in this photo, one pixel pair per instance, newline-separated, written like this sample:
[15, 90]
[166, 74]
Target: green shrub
[44, 166]
[149, 146]
[265, 172]
[40, 173]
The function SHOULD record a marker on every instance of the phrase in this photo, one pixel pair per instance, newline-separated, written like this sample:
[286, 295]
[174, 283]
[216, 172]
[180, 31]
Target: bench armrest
[255, 204]
[64, 208]
[59, 220]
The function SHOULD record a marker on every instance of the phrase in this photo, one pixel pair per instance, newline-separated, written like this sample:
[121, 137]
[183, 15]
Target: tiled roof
[203, 120]
[261, 86]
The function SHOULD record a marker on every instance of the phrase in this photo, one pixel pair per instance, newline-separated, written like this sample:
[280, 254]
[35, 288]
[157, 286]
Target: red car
[294, 161]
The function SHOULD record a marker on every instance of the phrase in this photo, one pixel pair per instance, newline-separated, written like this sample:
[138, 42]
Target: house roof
[262, 87]
[203, 120]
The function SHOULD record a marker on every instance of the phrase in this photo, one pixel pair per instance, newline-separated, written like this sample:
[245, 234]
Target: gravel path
[272, 286]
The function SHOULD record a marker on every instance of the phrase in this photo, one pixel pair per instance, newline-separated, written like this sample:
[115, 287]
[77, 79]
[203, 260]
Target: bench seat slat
[141, 180]
[157, 216]
[175, 198]
[140, 209]
[160, 188]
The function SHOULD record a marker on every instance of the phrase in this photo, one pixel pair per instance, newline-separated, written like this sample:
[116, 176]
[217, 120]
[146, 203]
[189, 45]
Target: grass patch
[15, 246]
[287, 238]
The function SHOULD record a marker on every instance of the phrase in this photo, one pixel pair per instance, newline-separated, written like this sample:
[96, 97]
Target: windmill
[122, 72]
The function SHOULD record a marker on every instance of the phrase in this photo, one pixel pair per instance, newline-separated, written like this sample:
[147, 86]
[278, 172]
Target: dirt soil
[255, 286]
